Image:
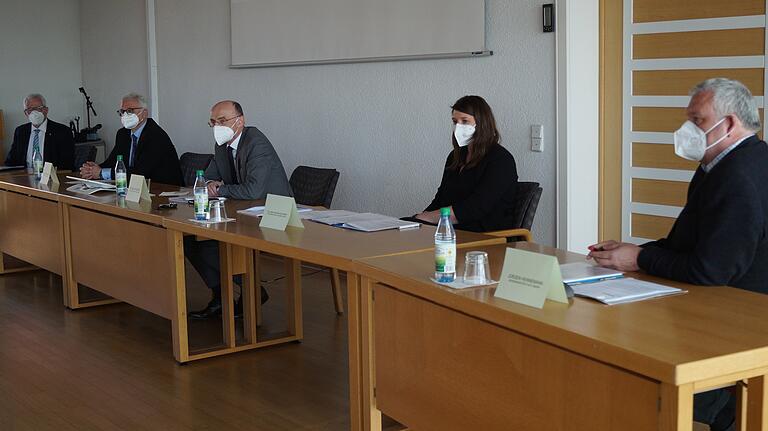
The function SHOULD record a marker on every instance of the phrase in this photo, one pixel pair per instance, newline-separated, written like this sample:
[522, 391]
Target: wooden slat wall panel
[660, 156]
[659, 192]
[680, 82]
[651, 227]
[666, 10]
[710, 43]
[645, 119]
[611, 113]
[653, 119]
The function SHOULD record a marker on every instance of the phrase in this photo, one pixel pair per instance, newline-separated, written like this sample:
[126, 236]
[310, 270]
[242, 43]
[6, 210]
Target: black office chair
[84, 153]
[191, 163]
[315, 187]
[527, 201]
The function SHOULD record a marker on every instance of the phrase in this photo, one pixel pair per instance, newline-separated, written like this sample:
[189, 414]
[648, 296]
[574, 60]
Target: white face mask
[691, 141]
[463, 133]
[223, 134]
[36, 118]
[129, 120]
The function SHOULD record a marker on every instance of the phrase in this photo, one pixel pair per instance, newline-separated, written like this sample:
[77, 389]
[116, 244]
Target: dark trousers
[715, 408]
[204, 257]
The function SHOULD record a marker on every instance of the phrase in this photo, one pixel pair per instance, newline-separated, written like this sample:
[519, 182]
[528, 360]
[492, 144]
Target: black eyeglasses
[212, 123]
[37, 108]
[120, 112]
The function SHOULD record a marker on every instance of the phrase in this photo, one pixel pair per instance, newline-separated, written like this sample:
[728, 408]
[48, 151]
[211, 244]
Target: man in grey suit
[244, 166]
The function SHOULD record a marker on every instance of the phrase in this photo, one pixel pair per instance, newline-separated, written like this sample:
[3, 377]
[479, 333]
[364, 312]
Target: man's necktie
[35, 145]
[36, 141]
[134, 144]
[231, 157]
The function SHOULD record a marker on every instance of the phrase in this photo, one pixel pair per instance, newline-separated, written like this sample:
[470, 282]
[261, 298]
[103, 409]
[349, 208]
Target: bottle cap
[119, 158]
[200, 172]
[445, 212]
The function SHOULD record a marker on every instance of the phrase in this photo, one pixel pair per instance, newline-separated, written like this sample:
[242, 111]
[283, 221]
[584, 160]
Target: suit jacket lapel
[48, 145]
[242, 152]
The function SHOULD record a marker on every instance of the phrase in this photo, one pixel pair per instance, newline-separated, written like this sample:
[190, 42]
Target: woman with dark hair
[480, 178]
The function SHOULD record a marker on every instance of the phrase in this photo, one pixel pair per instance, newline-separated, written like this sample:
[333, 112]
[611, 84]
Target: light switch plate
[537, 138]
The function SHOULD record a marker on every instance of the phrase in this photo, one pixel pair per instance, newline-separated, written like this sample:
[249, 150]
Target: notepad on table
[583, 272]
[365, 222]
[623, 290]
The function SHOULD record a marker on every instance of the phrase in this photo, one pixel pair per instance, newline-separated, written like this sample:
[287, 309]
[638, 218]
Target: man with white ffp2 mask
[721, 235]
[53, 140]
[146, 149]
[244, 166]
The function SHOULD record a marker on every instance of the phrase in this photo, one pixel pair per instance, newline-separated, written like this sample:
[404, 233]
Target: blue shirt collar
[138, 131]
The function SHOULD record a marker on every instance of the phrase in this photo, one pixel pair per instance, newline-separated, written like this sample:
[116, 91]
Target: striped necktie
[36, 141]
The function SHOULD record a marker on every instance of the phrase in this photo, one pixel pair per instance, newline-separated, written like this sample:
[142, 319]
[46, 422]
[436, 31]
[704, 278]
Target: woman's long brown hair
[486, 134]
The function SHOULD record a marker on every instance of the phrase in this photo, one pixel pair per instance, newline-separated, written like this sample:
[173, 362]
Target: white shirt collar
[721, 156]
[236, 141]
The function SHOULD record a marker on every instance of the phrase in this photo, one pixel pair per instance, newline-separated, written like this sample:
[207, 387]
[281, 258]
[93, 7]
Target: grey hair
[137, 97]
[732, 97]
[34, 96]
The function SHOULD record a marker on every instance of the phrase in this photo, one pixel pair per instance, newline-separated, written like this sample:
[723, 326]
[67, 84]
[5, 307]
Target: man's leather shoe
[239, 303]
[213, 309]
[264, 295]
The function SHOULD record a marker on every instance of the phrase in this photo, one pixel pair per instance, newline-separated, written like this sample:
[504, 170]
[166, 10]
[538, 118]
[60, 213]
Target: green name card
[530, 279]
[279, 212]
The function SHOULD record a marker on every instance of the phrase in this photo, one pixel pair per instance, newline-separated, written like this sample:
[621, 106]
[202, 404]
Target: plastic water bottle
[37, 163]
[121, 177]
[445, 248]
[201, 197]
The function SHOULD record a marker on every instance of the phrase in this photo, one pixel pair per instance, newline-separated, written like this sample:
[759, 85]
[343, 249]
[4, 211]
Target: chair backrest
[191, 163]
[84, 153]
[314, 186]
[528, 195]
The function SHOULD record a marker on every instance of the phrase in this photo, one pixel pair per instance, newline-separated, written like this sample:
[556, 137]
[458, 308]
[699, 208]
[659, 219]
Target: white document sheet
[623, 290]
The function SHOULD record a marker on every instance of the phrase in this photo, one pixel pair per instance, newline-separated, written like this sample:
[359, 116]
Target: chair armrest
[511, 233]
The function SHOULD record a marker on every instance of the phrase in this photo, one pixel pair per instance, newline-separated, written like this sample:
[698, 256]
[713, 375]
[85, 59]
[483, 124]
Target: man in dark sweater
[719, 238]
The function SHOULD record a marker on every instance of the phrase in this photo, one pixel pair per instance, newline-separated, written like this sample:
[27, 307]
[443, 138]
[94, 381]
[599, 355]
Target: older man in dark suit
[720, 237]
[245, 166]
[52, 139]
[146, 148]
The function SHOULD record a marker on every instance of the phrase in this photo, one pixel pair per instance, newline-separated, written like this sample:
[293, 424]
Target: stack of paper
[89, 187]
[258, 211]
[365, 222]
[623, 290]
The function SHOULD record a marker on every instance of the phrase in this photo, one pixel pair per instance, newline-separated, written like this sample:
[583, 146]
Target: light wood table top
[706, 333]
[316, 243]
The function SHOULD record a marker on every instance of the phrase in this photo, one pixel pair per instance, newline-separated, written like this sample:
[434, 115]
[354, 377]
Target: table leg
[757, 404]
[248, 298]
[355, 359]
[676, 412]
[179, 329]
[227, 294]
[740, 392]
[371, 415]
[293, 286]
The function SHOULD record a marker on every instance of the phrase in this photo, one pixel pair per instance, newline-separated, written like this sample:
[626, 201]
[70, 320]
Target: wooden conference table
[441, 359]
[134, 253]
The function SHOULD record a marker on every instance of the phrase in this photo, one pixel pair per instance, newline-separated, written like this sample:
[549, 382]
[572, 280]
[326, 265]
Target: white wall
[114, 57]
[39, 53]
[385, 126]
